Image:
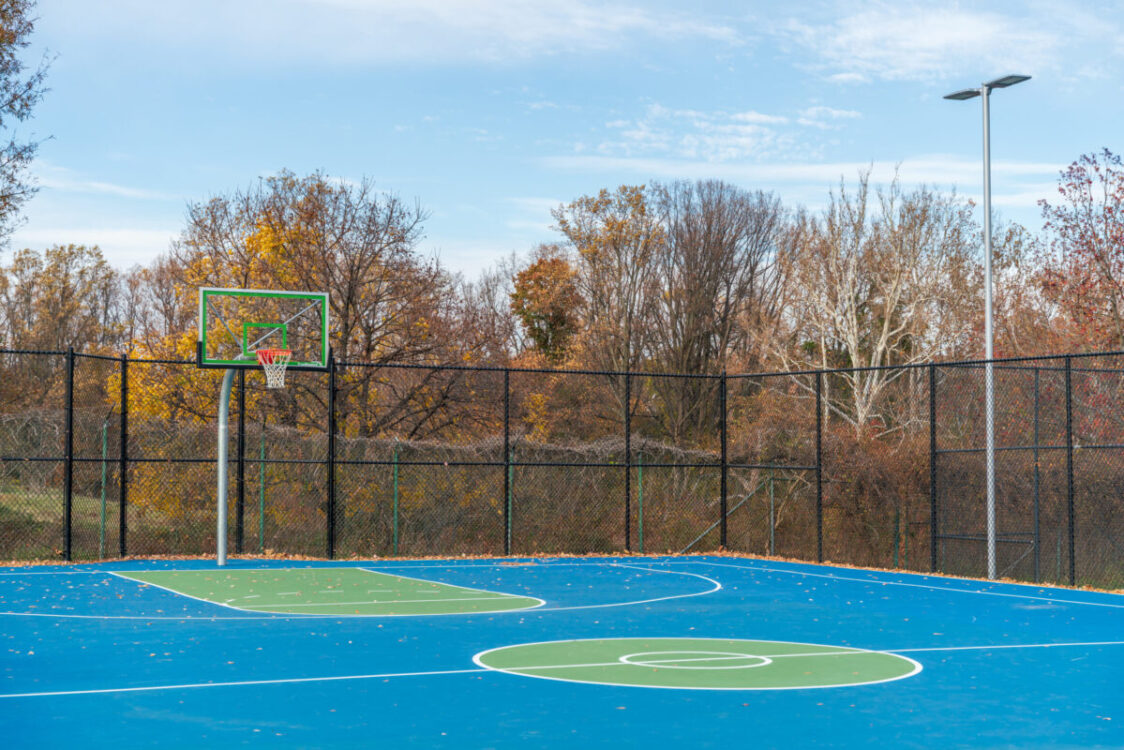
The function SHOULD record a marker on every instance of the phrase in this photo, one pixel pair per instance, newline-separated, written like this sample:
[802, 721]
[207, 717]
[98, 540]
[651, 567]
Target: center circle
[693, 660]
[699, 663]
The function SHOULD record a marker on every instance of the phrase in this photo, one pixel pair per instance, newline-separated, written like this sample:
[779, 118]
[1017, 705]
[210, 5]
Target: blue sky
[491, 113]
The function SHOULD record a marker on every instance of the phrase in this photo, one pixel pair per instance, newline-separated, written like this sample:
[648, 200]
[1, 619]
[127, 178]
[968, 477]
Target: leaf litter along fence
[107, 456]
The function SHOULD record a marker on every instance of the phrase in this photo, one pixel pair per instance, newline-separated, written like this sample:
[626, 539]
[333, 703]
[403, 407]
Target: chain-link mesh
[844, 465]
[32, 446]
[1097, 385]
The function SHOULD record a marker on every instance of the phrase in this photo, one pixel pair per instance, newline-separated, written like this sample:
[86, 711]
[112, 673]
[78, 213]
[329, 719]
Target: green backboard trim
[205, 293]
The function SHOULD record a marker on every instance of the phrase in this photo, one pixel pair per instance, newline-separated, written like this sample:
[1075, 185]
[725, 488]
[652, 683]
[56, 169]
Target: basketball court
[601, 652]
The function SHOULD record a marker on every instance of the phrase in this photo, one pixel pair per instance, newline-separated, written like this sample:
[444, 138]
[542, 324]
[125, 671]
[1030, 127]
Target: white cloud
[534, 215]
[1017, 183]
[829, 113]
[122, 247]
[758, 118]
[389, 31]
[913, 41]
[825, 118]
[848, 78]
[692, 134]
[52, 177]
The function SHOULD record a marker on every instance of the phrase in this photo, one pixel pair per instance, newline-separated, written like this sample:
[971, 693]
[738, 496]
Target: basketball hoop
[274, 362]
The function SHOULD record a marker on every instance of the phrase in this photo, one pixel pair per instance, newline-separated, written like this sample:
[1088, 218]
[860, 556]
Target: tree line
[686, 277]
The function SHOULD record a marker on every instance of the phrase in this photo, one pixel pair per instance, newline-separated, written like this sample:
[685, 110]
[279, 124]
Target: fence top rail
[104, 357]
[1002, 363]
[47, 352]
[531, 370]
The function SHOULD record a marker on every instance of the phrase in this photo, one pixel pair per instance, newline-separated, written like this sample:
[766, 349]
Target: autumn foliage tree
[881, 277]
[1084, 273]
[389, 305]
[66, 296]
[546, 301]
[20, 90]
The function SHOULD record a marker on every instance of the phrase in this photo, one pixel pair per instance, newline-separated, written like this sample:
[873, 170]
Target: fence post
[104, 471]
[68, 468]
[724, 463]
[933, 528]
[819, 466]
[627, 461]
[1037, 482]
[506, 461]
[394, 519]
[331, 510]
[1069, 467]
[240, 466]
[123, 461]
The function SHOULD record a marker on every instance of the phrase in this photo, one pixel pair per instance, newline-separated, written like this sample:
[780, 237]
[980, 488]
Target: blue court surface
[636, 652]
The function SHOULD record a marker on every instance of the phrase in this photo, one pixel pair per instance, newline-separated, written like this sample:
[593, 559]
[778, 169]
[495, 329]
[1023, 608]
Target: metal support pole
[989, 337]
[1037, 522]
[1071, 521]
[123, 461]
[240, 502]
[506, 461]
[984, 92]
[725, 465]
[819, 466]
[331, 505]
[68, 468]
[224, 436]
[934, 528]
[627, 462]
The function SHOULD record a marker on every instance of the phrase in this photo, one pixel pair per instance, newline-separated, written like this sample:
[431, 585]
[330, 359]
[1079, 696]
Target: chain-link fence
[885, 467]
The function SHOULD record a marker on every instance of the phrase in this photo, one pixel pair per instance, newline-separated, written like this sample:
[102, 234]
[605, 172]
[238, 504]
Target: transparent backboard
[235, 323]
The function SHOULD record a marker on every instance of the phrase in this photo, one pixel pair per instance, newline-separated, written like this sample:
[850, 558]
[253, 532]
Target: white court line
[434, 673]
[496, 595]
[123, 576]
[478, 659]
[137, 582]
[716, 587]
[240, 683]
[496, 598]
[1002, 645]
[512, 563]
[877, 582]
[299, 680]
[646, 663]
[439, 583]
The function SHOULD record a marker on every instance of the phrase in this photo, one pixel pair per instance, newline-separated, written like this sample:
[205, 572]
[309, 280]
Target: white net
[274, 362]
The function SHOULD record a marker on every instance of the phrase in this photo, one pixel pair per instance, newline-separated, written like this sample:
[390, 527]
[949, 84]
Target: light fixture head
[1005, 81]
[963, 94]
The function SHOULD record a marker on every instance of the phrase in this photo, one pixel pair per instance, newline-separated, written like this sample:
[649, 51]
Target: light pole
[984, 92]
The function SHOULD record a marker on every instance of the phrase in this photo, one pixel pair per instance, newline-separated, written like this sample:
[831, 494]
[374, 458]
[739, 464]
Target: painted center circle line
[693, 660]
[699, 663]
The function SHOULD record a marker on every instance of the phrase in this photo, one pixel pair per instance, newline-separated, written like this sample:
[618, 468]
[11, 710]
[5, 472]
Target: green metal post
[640, 500]
[395, 498]
[905, 546]
[510, 494]
[101, 533]
[261, 494]
[897, 535]
[772, 517]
